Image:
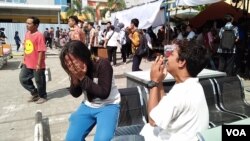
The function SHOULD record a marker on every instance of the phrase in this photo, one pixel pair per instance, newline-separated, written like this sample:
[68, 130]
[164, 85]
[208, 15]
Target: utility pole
[167, 19]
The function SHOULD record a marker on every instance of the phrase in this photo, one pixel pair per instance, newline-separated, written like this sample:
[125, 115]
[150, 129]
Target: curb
[38, 130]
[17, 54]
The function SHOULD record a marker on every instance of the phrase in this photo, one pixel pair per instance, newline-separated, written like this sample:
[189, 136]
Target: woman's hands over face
[158, 70]
[77, 68]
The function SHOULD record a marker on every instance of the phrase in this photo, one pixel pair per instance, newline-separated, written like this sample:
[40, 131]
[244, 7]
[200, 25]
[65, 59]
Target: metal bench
[231, 96]
[133, 112]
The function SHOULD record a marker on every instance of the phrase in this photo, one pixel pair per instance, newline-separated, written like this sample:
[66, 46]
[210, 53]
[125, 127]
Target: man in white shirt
[181, 113]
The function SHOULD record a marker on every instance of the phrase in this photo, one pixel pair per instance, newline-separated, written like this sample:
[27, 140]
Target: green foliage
[91, 11]
[116, 5]
[200, 7]
[103, 12]
[112, 5]
[76, 8]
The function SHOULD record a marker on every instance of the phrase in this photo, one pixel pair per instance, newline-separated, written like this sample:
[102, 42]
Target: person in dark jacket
[17, 40]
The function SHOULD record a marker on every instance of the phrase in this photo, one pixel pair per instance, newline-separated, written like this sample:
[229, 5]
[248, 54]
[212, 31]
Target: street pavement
[17, 116]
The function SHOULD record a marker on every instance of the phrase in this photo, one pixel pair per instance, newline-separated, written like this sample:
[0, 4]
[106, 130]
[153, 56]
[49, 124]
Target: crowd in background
[156, 37]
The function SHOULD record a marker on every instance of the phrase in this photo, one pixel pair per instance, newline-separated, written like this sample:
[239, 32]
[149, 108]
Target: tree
[77, 9]
[90, 13]
[200, 7]
[116, 5]
[113, 6]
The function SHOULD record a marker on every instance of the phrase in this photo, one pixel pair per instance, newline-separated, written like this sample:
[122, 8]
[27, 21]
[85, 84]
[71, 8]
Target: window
[22, 1]
[18, 1]
[60, 2]
[64, 8]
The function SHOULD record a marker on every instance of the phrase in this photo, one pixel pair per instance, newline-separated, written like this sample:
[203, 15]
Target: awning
[184, 14]
[215, 11]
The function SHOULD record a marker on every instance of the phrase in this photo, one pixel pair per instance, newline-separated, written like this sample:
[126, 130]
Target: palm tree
[77, 9]
[116, 5]
[90, 13]
[113, 6]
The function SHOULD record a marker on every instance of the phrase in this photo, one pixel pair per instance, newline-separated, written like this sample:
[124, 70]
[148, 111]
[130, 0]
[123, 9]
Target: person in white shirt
[181, 113]
[179, 34]
[111, 44]
[191, 34]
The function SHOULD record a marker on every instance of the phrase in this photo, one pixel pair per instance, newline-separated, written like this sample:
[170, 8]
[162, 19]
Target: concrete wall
[10, 29]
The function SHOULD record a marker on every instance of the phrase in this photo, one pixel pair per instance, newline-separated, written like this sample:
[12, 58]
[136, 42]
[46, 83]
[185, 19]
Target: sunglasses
[168, 50]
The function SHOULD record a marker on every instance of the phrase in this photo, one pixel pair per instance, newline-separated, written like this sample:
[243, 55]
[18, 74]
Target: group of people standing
[215, 35]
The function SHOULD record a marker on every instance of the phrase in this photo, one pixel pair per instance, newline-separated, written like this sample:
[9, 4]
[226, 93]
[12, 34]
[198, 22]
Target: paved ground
[17, 116]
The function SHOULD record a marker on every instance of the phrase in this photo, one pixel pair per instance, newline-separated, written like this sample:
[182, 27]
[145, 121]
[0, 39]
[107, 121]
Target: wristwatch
[152, 84]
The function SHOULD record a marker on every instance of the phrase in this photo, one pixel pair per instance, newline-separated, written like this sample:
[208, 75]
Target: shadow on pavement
[11, 65]
[46, 130]
[58, 93]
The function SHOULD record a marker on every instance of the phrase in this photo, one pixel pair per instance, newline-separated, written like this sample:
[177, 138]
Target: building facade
[16, 11]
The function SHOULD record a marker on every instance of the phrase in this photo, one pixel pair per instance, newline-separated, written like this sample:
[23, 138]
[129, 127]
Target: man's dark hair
[195, 54]
[228, 17]
[135, 22]
[91, 23]
[112, 27]
[74, 18]
[36, 21]
[109, 22]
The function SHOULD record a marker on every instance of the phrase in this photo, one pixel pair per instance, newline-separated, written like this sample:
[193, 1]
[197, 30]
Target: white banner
[194, 2]
[148, 15]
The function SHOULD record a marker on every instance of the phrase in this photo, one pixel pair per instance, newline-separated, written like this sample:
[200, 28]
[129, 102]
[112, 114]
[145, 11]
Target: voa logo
[236, 132]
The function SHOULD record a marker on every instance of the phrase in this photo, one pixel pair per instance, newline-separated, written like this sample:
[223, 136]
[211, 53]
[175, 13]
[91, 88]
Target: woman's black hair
[80, 51]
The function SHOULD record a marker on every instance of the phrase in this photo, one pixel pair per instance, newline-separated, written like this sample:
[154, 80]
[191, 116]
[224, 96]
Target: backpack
[228, 38]
[128, 41]
[142, 50]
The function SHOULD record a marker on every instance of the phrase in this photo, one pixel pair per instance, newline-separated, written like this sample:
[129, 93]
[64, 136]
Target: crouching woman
[94, 78]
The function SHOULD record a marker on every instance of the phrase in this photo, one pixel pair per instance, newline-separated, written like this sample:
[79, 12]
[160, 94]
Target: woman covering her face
[94, 78]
